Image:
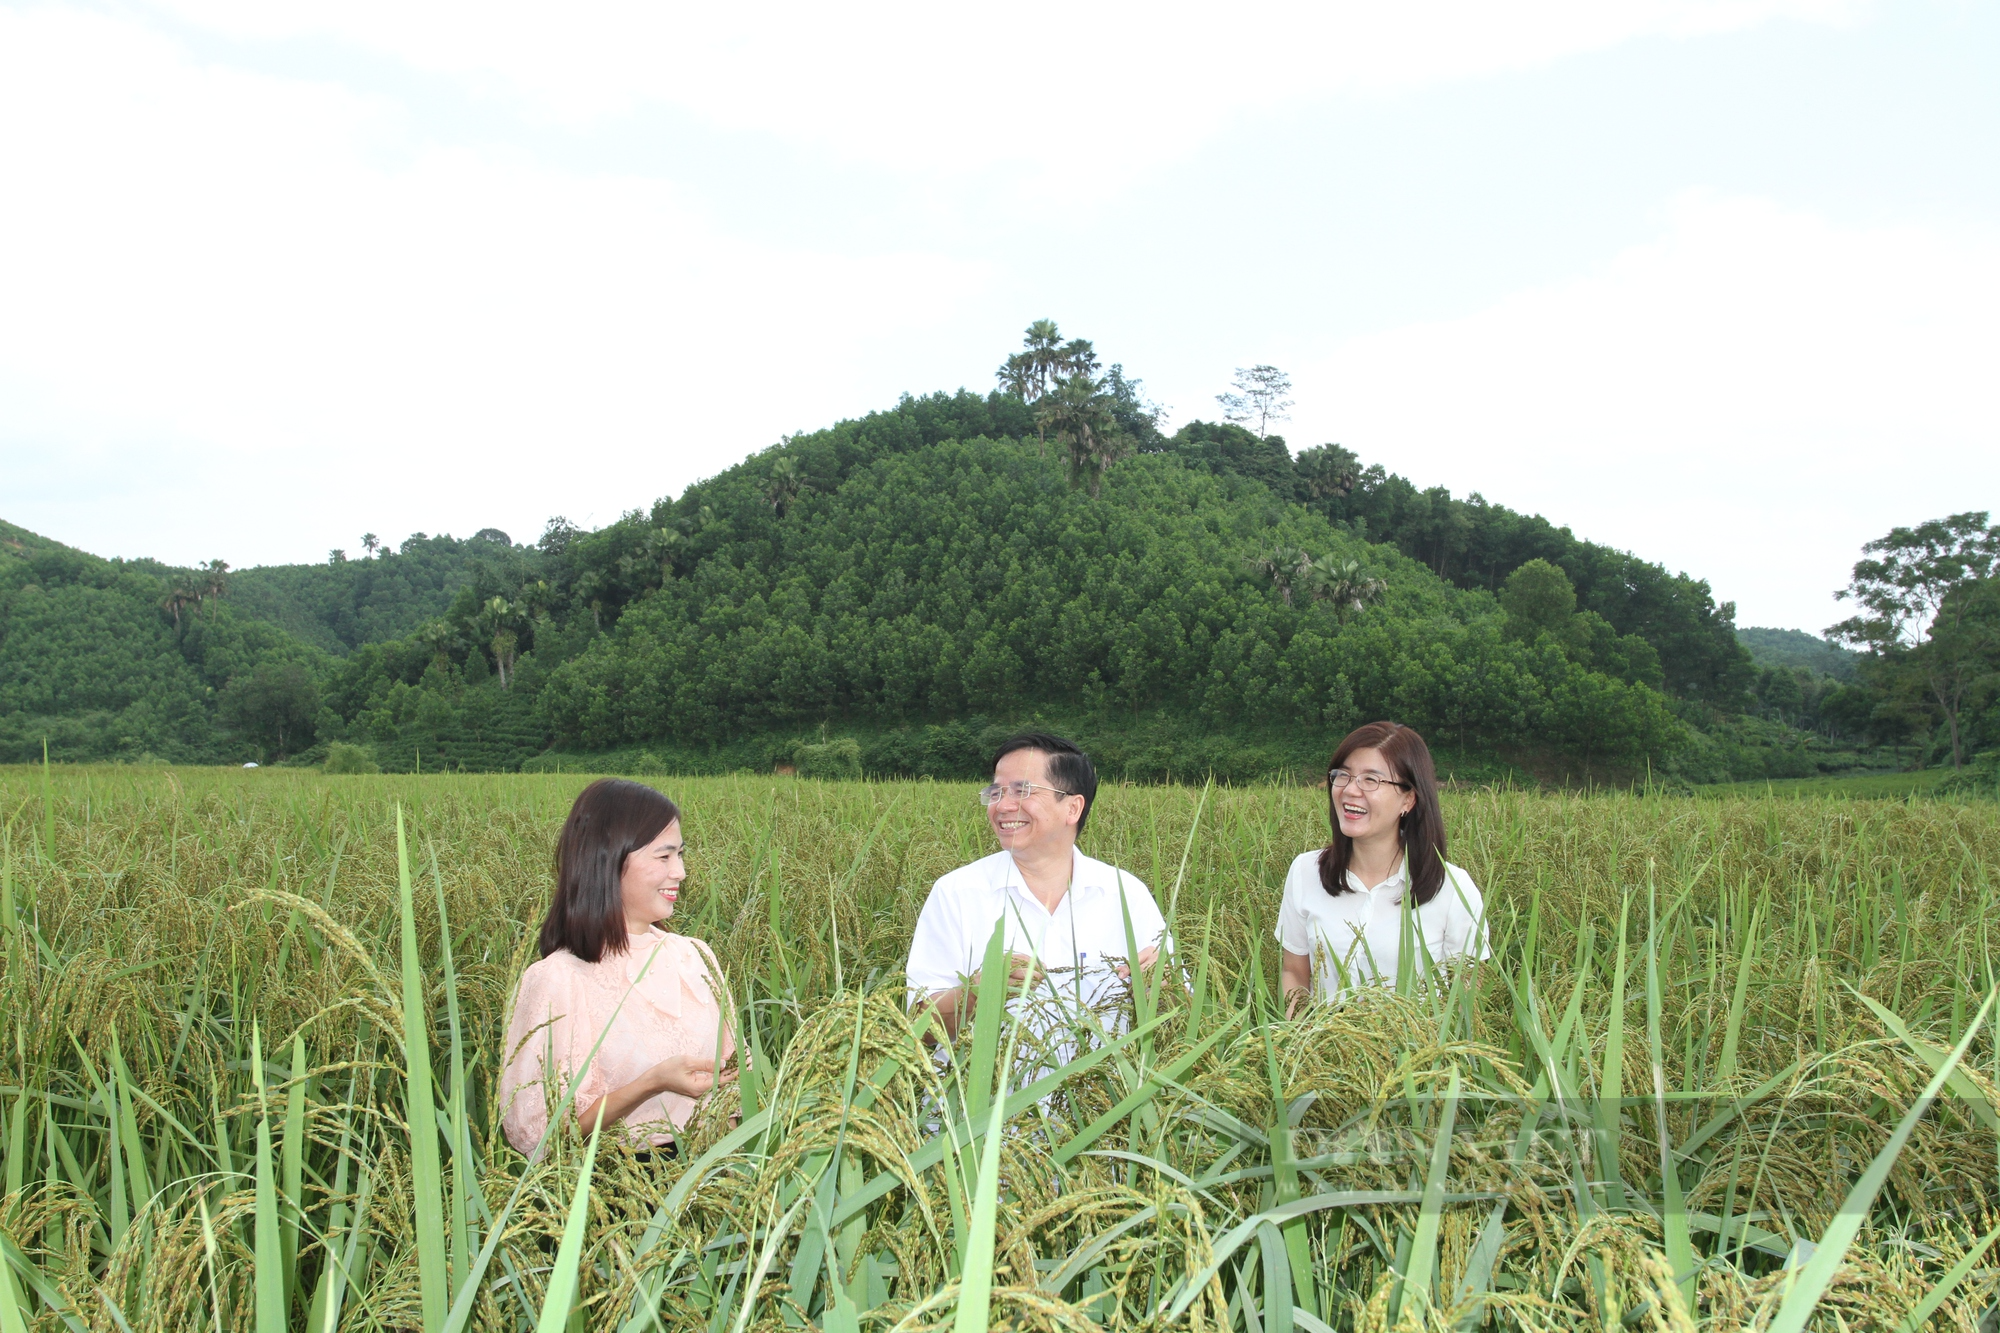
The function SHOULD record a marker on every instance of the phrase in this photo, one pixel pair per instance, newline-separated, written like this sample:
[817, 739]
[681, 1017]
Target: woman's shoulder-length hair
[612, 819]
[1422, 827]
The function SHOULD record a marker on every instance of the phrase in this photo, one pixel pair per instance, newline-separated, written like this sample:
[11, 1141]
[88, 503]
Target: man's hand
[954, 1006]
[1021, 968]
[1147, 957]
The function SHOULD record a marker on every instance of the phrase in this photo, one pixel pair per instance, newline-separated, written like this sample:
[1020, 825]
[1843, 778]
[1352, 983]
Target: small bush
[344, 758]
[837, 758]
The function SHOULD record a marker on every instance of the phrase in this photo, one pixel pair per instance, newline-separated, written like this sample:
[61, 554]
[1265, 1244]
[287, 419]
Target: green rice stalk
[975, 1283]
[464, 1169]
[14, 1309]
[420, 1105]
[271, 1270]
[561, 1291]
[1610, 1116]
[1417, 1282]
[1673, 1219]
[1725, 1067]
[291, 1162]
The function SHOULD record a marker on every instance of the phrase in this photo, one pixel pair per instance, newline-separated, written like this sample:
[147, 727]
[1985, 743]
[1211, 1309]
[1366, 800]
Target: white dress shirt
[1078, 943]
[1354, 939]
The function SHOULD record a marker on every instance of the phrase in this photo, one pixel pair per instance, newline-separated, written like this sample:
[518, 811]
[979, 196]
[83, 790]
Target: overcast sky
[1717, 282]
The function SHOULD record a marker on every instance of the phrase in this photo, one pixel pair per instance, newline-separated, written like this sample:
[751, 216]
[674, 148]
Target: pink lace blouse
[564, 1003]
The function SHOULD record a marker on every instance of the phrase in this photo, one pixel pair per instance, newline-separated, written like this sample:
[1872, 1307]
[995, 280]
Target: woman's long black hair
[612, 819]
[1422, 829]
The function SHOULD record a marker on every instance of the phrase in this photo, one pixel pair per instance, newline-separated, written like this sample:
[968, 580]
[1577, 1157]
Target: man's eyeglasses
[1368, 782]
[1020, 791]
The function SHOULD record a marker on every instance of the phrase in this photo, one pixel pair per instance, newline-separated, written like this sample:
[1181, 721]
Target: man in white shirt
[1064, 913]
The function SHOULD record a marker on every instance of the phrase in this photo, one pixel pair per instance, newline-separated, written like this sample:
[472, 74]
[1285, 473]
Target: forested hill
[344, 603]
[884, 592]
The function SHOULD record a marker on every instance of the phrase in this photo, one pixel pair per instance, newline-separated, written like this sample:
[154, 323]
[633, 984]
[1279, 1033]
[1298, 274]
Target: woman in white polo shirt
[1379, 902]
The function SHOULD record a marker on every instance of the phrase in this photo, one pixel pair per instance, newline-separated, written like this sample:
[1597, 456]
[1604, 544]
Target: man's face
[1039, 820]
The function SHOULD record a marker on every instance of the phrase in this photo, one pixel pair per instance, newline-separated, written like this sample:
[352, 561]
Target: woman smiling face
[1364, 815]
[651, 880]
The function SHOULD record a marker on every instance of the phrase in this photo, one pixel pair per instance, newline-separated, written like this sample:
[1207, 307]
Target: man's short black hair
[1070, 769]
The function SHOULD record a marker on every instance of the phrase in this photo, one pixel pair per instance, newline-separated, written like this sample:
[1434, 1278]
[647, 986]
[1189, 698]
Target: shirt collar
[1087, 876]
[1395, 881]
[670, 973]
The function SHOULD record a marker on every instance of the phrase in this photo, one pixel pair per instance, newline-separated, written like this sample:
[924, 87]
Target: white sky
[1715, 282]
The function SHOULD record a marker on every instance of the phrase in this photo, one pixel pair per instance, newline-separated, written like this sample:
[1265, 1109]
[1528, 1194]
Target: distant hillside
[114, 658]
[1796, 648]
[344, 603]
[21, 542]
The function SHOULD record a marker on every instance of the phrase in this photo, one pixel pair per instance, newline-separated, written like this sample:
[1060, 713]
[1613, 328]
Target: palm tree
[1285, 566]
[1342, 584]
[438, 636]
[215, 579]
[1080, 418]
[501, 619]
[535, 598]
[1075, 357]
[1017, 376]
[1044, 344]
[1027, 374]
[178, 596]
[785, 485]
[369, 542]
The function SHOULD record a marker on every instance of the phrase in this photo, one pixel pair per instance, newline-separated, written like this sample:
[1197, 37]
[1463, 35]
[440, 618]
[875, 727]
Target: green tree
[1959, 659]
[1538, 598]
[1341, 584]
[1327, 472]
[1137, 417]
[499, 622]
[1924, 613]
[1258, 394]
[1044, 364]
[274, 705]
[785, 485]
[1079, 416]
[1286, 566]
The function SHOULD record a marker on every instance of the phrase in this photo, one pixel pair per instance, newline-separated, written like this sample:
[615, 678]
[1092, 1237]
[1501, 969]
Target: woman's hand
[1295, 978]
[685, 1075]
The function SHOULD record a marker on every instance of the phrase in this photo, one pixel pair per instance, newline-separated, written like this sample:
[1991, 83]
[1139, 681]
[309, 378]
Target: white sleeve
[1465, 928]
[937, 949]
[1294, 932]
[1149, 927]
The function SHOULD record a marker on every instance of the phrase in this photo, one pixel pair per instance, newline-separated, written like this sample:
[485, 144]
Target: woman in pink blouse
[657, 999]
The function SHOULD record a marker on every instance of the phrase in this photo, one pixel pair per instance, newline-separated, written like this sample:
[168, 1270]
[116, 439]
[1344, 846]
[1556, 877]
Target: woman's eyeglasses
[1368, 782]
[1020, 791]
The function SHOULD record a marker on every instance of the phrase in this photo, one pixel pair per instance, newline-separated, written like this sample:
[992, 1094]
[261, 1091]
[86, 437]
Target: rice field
[1731, 1066]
